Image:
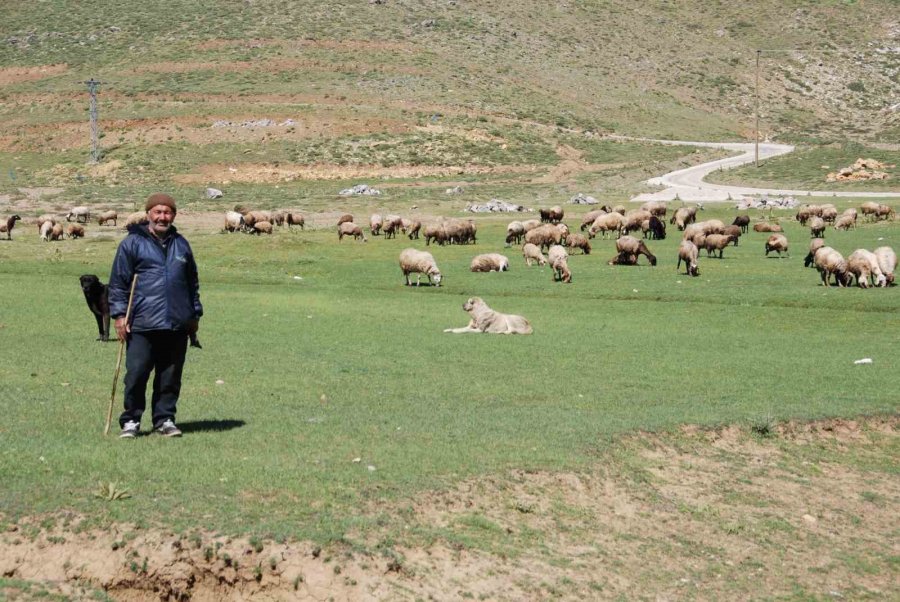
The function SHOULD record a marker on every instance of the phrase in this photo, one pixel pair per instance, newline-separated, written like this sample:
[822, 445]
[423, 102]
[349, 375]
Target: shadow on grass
[200, 426]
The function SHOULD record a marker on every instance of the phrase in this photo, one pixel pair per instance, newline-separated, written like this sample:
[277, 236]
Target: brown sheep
[869, 209]
[734, 231]
[261, 227]
[687, 252]
[435, 232]
[817, 227]
[629, 248]
[544, 236]
[75, 231]
[884, 212]
[8, 225]
[294, 219]
[657, 208]
[844, 222]
[829, 262]
[56, 233]
[345, 218]
[743, 222]
[350, 229]
[558, 259]
[588, 218]
[532, 253]
[575, 240]
[767, 227]
[633, 220]
[814, 245]
[777, 243]
[108, 216]
[716, 242]
[278, 218]
[411, 228]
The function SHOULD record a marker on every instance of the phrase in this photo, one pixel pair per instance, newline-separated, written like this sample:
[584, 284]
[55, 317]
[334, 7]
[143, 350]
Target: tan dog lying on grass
[485, 319]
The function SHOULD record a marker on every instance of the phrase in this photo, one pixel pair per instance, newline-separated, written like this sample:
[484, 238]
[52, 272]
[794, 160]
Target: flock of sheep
[50, 228]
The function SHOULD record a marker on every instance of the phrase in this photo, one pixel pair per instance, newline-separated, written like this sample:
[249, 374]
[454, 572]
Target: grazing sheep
[138, 217]
[391, 224]
[777, 243]
[588, 218]
[657, 208]
[633, 220]
[554, 214]
[8, 226]
[575, 240]
[654, 228]
[887, 261]
[829, 214]
[79, 214]
[251, 217]
[884, 212]
[814, 245]
[418, 263]
[628, 249]
[344, 218]
[485, 319]
[261, 227]
[712, 226]
[844, 222]
[716, 242]
[108, 216]
[278, 218]
[767, 227]
[734, 231]
[684, 216]
[515, 231]
[489, 262]
[294, 219]
[851, 212]
[532, 253]
[234, 221]
[864, 265]
[869, 209]
[558, 259]
[46, 229]
[463, 232]
[411, 228]
[743, 222]
[56, 233]
[817, 227]
[544, 236]
[350, 229]
[75, 231]
[687, 252]
[803, 215]
[609, 222]
[531, 224]
[45, 218]
[620, 209]
[435, 232]
[829, 262]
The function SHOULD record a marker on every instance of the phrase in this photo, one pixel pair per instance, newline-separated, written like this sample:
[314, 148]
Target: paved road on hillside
[688, 183]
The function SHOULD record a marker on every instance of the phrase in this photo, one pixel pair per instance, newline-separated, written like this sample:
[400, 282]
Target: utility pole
[756, 138]
[92, 85]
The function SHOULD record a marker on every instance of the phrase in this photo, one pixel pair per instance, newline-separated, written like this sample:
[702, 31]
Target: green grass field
[326, 357]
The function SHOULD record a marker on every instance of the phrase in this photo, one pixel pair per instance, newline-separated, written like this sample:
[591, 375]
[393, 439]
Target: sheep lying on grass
[777, 243]
[485, 319]
[863, 264]
[532, 253]
[350, 229]
[417, 262]
[767, 227]
[489, 262]
[558, 259]
[829, 262]
[814, 245]
[887, 261]
[8, 225]
[687, 252]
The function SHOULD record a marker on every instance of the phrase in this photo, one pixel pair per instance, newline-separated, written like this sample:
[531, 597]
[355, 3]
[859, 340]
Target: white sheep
[376, 223]
[351, 229]
[558, 258]
[79, 214]
[489, 262]
[829, 262]
[234, 221]
[687, 252]
[863, 264]
[532, 253]
[417, 262]
[46, 229]
[887, 261]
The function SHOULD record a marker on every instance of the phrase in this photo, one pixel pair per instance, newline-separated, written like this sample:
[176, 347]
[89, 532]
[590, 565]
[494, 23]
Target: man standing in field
[165, 311]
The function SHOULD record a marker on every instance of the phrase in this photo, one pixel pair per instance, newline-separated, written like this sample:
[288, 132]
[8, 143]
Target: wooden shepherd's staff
[112, 397]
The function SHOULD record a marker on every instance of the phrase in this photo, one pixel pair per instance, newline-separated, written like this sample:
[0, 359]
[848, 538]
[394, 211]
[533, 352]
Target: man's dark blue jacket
[167, 295]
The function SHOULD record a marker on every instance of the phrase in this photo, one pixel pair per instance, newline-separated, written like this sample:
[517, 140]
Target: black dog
[97, 296]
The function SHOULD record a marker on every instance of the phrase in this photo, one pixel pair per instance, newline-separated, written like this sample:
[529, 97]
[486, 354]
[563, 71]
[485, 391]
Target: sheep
[869, 209]
[108, 216]
[515, 231]
[620, 209]
[742, 221]
[532, 253]
[553, 215]
[884, 212]
[234, 221]
[712, 226]
[8, 226]
[466, 233]
[864, 265]
[578, 241]
[133, 219]
[767, 227]
[390, 226]
[829, 214]
[411, 228]
[351, 229]
[75, 231]
[850, 211]
[716, 242]
[56, 233]
[777, 243]
[654, 227]
[609, 222]
[419, 262]
[814, 245]
[79, 214]
[261, 227]
[489, 262]
[694, 233]
[588, 218]
[278, 218]
[344, 218]
[657, 208]
[435, 232]
[634, 219]
[251, 217]
[829, 262]
[803, 215]
[45, 218]
[844, 222]
[628, 249]
[46, 229]
[687, 252]
[817, 227]
[544, 236]
[887, 261]
[558, 259]
[734, 231]
[294, 219]
[531, 224]
[684, 216]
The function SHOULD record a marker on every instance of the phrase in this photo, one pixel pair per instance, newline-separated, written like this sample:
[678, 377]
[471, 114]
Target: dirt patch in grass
[806, 511]
[16, 75]
[272, 66]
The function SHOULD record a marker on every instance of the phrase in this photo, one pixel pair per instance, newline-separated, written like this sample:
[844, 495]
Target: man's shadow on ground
[201, 426]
